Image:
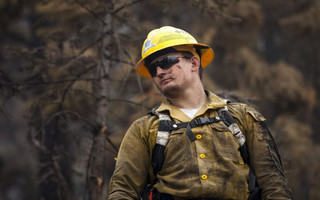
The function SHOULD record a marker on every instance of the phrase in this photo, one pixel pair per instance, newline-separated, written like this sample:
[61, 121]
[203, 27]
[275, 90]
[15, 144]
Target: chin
[170, 91]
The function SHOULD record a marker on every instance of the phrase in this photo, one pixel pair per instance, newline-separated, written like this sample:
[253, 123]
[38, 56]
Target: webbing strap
[190, 134]
[234, 128]
[229, 121]
[199, 122]
[168, 125]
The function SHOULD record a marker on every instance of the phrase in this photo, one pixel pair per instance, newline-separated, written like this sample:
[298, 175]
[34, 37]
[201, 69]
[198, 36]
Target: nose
[160, 71]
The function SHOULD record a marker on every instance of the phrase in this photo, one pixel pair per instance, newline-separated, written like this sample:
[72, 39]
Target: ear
[195, 63]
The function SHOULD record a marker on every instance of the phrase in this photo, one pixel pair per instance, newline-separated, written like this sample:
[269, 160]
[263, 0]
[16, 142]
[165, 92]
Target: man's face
[171, 73]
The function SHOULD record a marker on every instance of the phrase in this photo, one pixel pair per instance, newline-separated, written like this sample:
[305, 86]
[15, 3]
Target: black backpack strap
[199, 122]
[229, 121]
[166, 125]
[164, 130]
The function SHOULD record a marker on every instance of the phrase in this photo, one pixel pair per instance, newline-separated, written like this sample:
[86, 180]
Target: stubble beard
[170, 91]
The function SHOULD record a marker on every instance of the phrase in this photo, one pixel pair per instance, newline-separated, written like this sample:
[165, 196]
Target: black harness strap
[199, 122]
[190, 134]
[229, 120]
[167, 126]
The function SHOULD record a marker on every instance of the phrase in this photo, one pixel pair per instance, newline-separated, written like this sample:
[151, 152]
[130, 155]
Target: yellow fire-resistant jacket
[211, 166]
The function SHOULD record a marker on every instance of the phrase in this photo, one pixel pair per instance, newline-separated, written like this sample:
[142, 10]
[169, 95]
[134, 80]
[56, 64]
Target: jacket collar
[213, 102]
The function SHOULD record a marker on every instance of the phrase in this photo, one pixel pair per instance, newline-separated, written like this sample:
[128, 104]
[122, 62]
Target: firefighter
[187, 149]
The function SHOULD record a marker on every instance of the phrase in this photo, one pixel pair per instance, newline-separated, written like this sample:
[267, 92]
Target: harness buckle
[202, 121]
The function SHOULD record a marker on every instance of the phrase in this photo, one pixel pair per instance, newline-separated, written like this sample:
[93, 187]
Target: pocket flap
[177, 132]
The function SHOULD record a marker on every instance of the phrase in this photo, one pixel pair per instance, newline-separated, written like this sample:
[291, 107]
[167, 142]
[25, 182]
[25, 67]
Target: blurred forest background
[69, 90]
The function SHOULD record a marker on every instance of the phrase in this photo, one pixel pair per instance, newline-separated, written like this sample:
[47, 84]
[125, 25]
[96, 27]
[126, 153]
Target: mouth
[165, 81]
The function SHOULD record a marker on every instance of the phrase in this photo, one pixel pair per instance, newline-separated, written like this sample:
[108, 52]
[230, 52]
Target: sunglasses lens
[153, 71]
[163, 63]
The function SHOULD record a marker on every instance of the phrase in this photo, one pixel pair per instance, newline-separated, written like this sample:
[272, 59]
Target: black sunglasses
[164, 63]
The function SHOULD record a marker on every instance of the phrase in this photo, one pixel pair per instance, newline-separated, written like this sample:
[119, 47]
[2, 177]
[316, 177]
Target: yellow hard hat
[168, 36]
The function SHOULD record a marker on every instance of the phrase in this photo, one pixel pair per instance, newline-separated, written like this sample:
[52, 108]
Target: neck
[189, 99]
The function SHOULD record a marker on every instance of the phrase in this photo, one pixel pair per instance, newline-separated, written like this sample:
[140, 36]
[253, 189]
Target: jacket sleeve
[264, 157]
[132, 167]
[265, 160]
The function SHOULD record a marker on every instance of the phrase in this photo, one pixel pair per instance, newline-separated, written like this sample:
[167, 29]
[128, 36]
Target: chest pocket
[178, 148]
[225, 143]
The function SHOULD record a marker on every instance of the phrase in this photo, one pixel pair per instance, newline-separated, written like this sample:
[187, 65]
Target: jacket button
[204, 177]
[202, 155]
[198, 137]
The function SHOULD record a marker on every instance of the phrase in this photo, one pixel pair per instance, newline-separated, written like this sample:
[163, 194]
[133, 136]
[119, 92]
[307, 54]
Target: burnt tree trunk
[95, 179]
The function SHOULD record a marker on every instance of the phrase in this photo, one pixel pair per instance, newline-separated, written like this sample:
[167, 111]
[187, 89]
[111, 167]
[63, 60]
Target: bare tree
[67, 64]
[96, 171]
